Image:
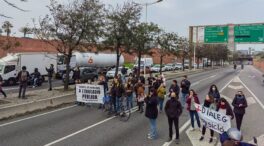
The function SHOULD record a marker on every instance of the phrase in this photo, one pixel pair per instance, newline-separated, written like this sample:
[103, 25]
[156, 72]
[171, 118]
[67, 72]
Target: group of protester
[180, 96]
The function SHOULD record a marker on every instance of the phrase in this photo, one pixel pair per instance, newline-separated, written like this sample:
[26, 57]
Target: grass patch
[129, 65]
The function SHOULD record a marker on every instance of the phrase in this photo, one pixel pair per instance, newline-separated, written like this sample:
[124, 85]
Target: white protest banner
[88, 93]
[212, 119]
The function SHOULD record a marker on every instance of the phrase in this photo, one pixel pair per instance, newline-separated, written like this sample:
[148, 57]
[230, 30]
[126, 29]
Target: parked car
[156, 68]
[178, 66]
[111, 73]
[169, 67]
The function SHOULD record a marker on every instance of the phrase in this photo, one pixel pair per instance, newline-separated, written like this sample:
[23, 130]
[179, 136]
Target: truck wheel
[11, 82]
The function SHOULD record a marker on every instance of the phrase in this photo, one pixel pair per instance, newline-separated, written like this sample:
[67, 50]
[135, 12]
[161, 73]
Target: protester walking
[23, 77]
[152, 113]
[193, 99]
[173, 111]
[161, 95]
[1, 89]
[185, 86]
[174, 88]
[211, 104]
[240, 104]
[50, 75]
[213, 91]
[129, 94]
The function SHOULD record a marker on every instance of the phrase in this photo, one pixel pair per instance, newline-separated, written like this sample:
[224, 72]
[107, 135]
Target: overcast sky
[171, 15]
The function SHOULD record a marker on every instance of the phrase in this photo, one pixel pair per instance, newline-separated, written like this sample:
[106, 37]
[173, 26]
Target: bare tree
[72, 26]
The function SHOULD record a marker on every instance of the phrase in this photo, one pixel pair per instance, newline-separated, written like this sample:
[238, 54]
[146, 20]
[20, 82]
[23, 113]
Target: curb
[31, 106]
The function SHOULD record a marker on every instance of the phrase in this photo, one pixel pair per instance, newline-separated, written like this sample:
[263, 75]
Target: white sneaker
[192, 129]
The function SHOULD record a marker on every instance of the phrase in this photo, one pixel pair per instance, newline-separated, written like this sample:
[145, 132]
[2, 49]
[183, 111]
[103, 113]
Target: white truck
[148, 62]
[11, 64]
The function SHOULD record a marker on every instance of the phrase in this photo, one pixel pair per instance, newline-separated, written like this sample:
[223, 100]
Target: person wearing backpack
[23, 77]
[1, 90]
[50, 74]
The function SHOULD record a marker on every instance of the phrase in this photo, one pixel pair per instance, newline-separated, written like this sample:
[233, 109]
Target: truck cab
[8, 69]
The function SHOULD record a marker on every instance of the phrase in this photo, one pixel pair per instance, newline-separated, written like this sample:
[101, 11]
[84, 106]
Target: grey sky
[171, 15]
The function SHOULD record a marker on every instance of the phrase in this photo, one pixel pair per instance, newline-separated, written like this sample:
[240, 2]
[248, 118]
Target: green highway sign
[216, 34]
[249, 33]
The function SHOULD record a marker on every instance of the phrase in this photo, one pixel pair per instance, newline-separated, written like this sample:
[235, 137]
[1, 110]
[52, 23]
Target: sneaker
[151, 137]
[169, 139]
[192, 129]
[201, 139]
[177, 141]
[211, 140]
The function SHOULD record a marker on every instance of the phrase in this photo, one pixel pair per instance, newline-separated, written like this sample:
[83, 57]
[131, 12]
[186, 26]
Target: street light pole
[146, 20]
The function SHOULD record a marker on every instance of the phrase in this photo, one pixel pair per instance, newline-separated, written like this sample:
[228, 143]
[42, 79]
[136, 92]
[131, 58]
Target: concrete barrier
[18, 109]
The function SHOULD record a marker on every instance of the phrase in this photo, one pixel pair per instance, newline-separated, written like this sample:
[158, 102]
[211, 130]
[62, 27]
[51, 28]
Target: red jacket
[188, 101]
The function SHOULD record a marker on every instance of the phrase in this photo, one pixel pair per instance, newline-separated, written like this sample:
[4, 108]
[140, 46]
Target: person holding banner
[191, 100]
[240, 104]
[173, 111]
[225, 108]
[209, 103]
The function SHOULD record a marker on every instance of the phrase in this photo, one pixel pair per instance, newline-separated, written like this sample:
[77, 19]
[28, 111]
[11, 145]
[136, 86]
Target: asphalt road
[88, 126]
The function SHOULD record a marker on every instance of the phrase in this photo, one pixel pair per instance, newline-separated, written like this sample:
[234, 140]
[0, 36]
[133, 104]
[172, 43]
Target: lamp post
[146, 20]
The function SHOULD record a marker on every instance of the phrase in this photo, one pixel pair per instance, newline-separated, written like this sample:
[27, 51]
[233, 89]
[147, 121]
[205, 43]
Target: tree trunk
[139, 62]
[161, 60]
[183, 67]
[117, 58]
[198, 62]
[190, 63]
[67, 62]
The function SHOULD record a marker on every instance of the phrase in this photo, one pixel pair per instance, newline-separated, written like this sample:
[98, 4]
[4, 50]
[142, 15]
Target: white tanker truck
[98, 60]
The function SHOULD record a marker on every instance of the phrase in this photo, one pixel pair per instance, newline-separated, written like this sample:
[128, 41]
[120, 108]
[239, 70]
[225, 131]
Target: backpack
[23, 76]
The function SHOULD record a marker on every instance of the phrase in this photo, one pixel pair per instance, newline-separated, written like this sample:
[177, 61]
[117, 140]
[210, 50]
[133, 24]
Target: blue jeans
[161, 100]
[183, 99]
[118, 104]
[192, 114]
[129, 102]
[153, 128]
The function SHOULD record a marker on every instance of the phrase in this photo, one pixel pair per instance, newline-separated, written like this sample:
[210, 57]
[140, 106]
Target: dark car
[86, 73]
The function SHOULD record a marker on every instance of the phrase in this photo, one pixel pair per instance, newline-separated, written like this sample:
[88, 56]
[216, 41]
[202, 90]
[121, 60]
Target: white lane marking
[180, 131]
[198, 82]
[13, 122]
[85, 129]
[189, 121]
[235, 87]
[256, 98]
[7, 89]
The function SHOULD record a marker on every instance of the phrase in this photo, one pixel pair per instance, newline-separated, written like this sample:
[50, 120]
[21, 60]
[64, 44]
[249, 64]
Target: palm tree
[25, 30]
[7, 27]
[1, 31]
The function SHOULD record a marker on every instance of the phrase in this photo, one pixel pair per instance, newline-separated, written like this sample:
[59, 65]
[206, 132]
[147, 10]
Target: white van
[148, 62]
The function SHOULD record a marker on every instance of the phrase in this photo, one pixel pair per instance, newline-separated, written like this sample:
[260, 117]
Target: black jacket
[236, 102]
[216, 95]
[185, 85]
[175, 89]
[151, 107]
[76, 75]
[50, 71]
[173, 108]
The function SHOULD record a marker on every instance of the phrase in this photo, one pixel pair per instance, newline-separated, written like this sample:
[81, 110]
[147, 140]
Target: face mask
[214, 89]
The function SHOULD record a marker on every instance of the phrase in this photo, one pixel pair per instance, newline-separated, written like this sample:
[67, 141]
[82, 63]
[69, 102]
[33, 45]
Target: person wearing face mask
[225, 108]
[209, 103]
[240, 104]
[213, 91]
[193, 99]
